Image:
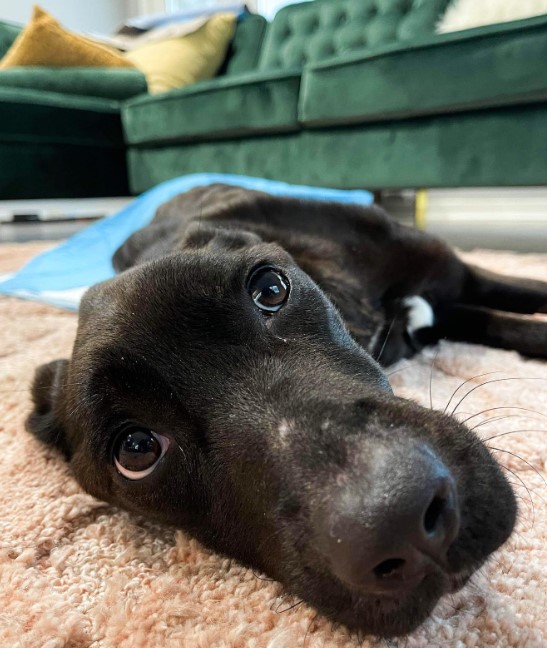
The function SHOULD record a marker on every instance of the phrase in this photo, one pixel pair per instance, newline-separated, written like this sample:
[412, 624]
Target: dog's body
[214, 386]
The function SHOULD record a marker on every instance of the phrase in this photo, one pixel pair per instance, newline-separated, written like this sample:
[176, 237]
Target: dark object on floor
[214, 386]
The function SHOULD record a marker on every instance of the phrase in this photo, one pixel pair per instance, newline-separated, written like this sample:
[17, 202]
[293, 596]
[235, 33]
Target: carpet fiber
[75, 572]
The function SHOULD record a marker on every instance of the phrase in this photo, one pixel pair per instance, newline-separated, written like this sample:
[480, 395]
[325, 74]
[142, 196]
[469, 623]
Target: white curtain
[269, 8]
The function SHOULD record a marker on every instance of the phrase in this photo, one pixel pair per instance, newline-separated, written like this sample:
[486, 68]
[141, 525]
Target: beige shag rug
[75, 572]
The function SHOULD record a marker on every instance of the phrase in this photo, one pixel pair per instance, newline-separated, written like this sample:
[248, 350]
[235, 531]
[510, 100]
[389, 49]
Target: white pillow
[464, 14]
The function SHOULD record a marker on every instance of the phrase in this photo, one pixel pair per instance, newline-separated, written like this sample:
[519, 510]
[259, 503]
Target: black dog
[215, 386]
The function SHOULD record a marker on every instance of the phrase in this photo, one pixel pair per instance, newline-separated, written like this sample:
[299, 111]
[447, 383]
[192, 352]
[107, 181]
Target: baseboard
[15, 211]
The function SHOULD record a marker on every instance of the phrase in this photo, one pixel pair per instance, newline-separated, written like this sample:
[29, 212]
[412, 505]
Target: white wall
[103, 16]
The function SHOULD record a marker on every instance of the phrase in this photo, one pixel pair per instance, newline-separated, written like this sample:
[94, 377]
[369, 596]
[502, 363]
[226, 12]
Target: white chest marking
[420, 314]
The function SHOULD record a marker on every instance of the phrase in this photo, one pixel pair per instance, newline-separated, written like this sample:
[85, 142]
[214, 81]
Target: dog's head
[217, 389]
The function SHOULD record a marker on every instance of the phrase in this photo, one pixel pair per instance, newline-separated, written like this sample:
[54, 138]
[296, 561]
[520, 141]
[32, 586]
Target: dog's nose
[384, 534]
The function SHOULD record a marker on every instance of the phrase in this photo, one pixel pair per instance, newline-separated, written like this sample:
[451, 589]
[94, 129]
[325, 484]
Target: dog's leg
[496, 329]
[488, 309]
[490, 290]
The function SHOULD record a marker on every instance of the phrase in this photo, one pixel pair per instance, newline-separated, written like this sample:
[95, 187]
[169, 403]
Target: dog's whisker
[313, 620]
[491, 382]
[494, 419]
[488, 373]
[431, 378]
[501, 407]
[290, 607]
[497, 419]
[399, 370]
[526, 489]
[262, 578]
[530, 489]
[386, 338]
[522, 484]
[519, 497]
[502, 434]
[514, 454]
[419, 361]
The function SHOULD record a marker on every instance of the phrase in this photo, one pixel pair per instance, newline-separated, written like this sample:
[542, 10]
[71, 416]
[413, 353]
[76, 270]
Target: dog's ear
[45, 420]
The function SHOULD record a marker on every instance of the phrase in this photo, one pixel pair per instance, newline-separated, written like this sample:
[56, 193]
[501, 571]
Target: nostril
[388, 567]
[433, 515]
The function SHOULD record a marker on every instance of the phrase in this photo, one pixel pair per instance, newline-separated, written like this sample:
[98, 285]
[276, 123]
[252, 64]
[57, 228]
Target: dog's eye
[269, 289]
[137, 452]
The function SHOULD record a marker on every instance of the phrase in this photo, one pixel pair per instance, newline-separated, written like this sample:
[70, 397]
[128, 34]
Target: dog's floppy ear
[45, 420]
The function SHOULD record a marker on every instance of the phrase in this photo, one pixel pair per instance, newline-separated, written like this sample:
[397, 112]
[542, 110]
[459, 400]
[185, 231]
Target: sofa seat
[484, 67]
[504, 146]
[59, 146]
[232, 106]
[107, 83]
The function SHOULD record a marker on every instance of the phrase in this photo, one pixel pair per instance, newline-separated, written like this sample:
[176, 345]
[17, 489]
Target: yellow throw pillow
[177, 62]
[45, 42]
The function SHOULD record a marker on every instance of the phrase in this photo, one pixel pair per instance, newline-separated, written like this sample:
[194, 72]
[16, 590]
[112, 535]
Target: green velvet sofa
[61, 134]
[60, 129]
[342, 93]
[359, 93]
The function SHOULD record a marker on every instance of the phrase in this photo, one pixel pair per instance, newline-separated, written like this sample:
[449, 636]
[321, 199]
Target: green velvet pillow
[8, 33]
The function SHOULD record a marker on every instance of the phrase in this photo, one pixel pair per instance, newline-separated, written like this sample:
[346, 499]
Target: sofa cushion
[32, 116]
[224, 107]
[244, 50]
[8, 33]
[489, 66]
[109, 83]
[313, 31]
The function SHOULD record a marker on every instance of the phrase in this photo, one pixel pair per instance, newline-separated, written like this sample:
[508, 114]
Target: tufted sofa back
[312, 31]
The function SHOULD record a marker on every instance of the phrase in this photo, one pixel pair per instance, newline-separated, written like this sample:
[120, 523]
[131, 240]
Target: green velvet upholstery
[55, 145]
[383, 103]
[244, 50]
[8, 33]
[313, 31]
[225, 106]
[60, 129]
[346, 93]
[108, 83]
[29, 115]
[50, 170]
[500, 147]
[490, 66]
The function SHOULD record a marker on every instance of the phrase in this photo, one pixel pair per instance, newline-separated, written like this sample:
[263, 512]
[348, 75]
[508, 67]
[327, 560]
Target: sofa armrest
[107, 83]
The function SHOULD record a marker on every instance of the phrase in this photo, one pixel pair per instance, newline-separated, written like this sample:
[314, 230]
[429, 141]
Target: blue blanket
[60, 276]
